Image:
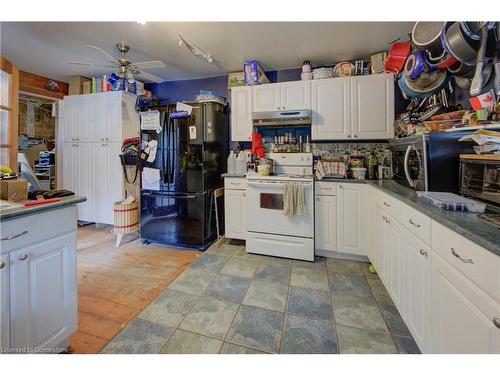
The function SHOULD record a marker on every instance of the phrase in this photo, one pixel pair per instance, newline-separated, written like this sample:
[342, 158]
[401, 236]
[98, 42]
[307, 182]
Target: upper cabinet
[266, 97]
[372, 106]
[295, 95]
[241, 113]
[331, 112]
[360, 107]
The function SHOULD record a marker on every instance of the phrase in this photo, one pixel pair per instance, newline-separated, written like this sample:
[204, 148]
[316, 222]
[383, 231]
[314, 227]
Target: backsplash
[333, 151]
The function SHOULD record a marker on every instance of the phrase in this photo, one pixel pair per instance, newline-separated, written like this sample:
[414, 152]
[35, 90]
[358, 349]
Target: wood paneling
[116, 284]
[13, 108]
[35, 84]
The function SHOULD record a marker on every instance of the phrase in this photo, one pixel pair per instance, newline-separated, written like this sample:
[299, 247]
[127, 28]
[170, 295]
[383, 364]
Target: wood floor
[115, 284]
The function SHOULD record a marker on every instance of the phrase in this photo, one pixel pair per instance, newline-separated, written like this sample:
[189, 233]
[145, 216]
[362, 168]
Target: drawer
[27, 230]
[235, 183]
[280, 246]
[325, 188]
[391, 205]
[477, 264]
[417, 223]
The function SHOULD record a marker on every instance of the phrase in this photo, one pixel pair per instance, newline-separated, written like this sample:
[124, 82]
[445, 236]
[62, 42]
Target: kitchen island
[38, 277]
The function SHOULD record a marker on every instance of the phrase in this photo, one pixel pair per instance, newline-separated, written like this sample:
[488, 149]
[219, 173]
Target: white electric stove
[269, 231]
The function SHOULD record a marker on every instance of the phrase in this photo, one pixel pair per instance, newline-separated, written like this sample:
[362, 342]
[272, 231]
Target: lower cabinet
[4, 302]
[352, 233]
[325, 223]
[394, 249]
[235, 214]
[462, 314]
[43, 293]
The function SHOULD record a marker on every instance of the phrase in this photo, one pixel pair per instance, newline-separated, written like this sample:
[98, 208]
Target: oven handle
[275, 183]
[407, 172]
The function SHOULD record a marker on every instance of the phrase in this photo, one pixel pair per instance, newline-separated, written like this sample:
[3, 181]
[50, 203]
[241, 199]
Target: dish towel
[337, 168]
[293, 200]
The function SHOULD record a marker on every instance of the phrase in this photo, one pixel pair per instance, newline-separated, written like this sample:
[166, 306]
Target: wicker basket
[126, 217]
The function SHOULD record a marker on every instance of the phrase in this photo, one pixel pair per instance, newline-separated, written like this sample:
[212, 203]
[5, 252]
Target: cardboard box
[235, 79]
[254, 74]
[76, 85]
[14, 190]
[87, 87]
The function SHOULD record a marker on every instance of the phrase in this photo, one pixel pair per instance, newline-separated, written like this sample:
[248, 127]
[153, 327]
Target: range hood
[281, 118]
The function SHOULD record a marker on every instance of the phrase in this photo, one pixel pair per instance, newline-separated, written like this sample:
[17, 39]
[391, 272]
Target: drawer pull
[23, 256]
[413, 223]
[2, 265]
[387, 204]
[463, 259]
[423, 253]
[496, 322]
[14, 236]
[236, 183]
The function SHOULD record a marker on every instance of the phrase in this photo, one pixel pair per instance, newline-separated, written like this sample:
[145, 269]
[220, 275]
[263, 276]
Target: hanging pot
[445, 60]
[396, 58]
[415, 64]
[427, 36]
[422, 87]
[459, 69]
[458, 44]
[465, 82]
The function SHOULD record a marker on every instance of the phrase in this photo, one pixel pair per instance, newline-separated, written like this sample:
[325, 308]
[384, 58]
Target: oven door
[408, 166]
[265, 209]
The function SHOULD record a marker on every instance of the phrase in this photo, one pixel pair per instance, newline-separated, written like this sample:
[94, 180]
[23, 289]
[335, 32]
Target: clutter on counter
[15, 190]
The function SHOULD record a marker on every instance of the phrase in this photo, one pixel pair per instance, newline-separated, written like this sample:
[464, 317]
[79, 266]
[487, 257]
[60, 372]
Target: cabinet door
[95, 105]
[331, 109]
[68, 166]
[43, 293]
[241, 113]
[235, 214]
[372, 106]
[325, 223]
[351, 219]
[83, 179]
[394, 248]
[417, 290]
[4, 302]
[379, 249]
[295, 95]
[108, 182]
[83, 125]
[461, 313]
[266, 97]
[70, 118]
[113, 116]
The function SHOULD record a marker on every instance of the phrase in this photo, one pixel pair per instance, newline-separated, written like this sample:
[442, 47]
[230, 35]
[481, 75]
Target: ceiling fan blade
[108, 56]
[150, 77]
[90, 64]
[149, 64]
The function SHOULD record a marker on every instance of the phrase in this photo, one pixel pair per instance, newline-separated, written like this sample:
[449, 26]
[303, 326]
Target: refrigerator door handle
[174, 155]
[153, 195]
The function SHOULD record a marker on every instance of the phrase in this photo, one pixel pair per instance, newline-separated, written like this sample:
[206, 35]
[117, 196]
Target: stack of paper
[488, 141]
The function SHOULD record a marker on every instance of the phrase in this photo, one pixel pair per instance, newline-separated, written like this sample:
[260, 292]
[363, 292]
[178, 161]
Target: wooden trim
[35, 84]
[5, 65]
[14, 117]
[480, 157]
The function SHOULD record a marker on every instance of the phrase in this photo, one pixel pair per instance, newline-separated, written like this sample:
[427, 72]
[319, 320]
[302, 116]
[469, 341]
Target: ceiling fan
[124, 67]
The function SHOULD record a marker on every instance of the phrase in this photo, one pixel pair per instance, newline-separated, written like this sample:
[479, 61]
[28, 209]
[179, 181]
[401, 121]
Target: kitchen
[277, 202]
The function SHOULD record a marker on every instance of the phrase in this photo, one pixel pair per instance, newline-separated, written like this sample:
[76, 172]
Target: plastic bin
[451, 202]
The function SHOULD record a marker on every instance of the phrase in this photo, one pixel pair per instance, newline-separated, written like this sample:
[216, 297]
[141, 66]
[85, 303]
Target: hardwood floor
[115, 284]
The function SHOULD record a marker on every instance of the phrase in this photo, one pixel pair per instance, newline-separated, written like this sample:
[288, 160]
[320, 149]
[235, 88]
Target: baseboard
[343, 256]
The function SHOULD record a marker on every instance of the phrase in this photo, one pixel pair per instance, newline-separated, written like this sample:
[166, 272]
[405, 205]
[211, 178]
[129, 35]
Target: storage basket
[126, 217]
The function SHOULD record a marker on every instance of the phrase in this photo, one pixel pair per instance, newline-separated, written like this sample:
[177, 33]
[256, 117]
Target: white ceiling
[42, 47]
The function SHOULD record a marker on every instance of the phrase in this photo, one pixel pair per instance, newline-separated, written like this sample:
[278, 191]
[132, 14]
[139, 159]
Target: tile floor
[229, 301]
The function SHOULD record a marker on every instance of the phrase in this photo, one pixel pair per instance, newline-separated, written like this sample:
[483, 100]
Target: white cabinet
[331, 109]
[43, 293]
[325, 223]
[266, 97]
[394, 244]
[372, 106]
[93, 128]
[4, 302]
[241, 113]
[352, 236]
[462, 314]
[235, 209]
[295, 95]
[106, 190]
[416, 277]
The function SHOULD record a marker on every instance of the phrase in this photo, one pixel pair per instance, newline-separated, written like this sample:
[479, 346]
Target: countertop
[467, 224]
[233, 175]
[14, 213]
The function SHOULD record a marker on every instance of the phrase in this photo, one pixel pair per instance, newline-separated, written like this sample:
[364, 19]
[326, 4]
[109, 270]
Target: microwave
[429, 162]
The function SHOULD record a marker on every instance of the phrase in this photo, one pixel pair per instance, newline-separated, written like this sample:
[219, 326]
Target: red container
[398, 53]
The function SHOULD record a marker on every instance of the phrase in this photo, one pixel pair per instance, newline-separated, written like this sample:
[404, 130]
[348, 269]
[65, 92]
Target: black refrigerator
[191, 156]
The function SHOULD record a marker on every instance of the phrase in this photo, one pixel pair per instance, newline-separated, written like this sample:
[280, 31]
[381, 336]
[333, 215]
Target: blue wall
[186, 90]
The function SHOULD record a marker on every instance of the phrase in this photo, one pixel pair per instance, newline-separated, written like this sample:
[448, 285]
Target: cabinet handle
[413, 223]
[23, 256]
[102, 139]
[14, 236]
[463, 259]
[355, 136]
[496, 322]
[2, 265]
[348, 136]
[244, 194]
[423, 253]
[387, 204]
[107, 139]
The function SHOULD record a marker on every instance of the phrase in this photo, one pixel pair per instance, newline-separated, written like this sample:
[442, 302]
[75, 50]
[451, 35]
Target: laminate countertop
[16, 212]
[467, 224]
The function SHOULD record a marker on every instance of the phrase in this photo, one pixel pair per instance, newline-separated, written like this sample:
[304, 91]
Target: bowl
[263, 169]
[358, 173]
